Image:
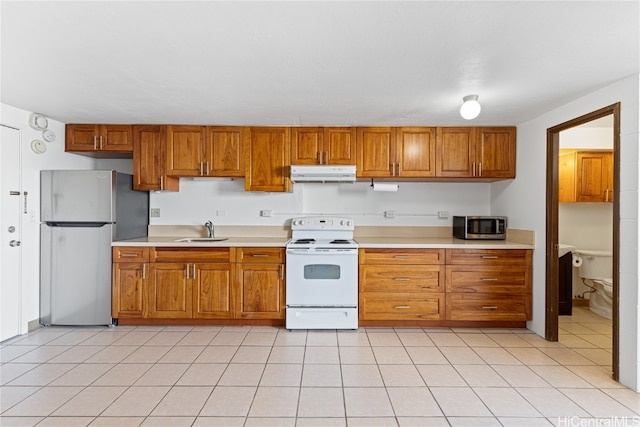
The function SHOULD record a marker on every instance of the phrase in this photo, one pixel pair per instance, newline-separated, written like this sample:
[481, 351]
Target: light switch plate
[155, 212]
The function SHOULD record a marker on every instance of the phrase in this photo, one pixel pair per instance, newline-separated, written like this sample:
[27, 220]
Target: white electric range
[322, 274]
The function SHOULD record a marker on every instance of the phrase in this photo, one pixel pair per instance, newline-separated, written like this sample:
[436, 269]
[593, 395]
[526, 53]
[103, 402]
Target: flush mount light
[470, 107]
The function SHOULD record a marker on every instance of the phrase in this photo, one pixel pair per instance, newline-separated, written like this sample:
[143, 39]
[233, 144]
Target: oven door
[322, 278]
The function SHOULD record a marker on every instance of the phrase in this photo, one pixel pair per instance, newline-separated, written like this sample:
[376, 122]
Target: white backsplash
[225, 202]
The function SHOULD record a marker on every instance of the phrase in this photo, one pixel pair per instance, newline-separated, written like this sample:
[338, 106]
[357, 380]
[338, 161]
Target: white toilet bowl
[596, 271]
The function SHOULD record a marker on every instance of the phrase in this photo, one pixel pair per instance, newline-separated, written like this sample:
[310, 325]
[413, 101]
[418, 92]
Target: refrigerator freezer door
[77, 196]
[75, 276]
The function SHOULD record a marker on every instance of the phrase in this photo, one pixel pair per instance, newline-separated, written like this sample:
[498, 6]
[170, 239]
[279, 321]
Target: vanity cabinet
[96, 139]
[585, 176]
[476, 152]
[130, 268]
[401, 284]
[260, 290]
[267, 152]
[323, 146]
[149, 159]
[488, 284]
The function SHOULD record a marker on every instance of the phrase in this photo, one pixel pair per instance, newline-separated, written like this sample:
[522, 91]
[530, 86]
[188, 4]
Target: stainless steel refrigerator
[81, 213]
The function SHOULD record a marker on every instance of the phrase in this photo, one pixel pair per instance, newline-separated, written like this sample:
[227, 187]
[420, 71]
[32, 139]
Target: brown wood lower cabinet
[401, 284]
[177, 284]
[438, 287]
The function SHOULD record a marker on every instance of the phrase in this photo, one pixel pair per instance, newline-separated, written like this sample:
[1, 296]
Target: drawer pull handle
[402, 307]
[403, 279]
[260, 255]
[489, 279]
[490, 257]
[128, 255]
[489, 307]
[402, 257]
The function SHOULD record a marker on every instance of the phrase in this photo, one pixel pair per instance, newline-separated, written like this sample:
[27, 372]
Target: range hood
[323, 173]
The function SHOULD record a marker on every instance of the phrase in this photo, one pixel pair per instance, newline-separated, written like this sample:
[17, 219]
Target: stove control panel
[322, 223]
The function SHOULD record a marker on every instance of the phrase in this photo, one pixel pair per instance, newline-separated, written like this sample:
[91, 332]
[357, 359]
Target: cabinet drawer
[402, 306]
[191, 255]
[470, 306]
[477, 278]
[401, 256]
[489, 256]
[260, 255]
[130, 254]
[401, 278]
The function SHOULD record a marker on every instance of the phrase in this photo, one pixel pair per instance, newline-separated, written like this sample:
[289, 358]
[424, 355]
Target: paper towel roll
[385, 187]
[576, 260]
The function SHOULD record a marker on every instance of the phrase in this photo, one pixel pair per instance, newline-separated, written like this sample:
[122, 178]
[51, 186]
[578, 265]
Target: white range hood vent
[323, 173]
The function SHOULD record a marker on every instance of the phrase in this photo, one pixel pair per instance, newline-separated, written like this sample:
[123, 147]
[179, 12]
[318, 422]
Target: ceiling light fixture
[470, 108]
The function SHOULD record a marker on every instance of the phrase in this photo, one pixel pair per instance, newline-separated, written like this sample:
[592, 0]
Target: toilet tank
[595, 264]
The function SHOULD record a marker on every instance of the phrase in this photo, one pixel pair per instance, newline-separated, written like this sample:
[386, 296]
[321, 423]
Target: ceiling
[310, 63]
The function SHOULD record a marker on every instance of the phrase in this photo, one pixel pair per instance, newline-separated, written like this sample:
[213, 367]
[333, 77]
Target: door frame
[552, 263]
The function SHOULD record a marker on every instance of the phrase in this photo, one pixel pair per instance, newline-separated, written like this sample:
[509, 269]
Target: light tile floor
[263, 376]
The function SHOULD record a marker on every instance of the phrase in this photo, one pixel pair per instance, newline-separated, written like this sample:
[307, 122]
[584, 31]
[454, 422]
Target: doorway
[10, 226]
[552, 225]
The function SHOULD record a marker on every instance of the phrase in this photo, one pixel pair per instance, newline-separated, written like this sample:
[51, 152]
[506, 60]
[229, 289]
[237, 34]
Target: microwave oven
[480, 227]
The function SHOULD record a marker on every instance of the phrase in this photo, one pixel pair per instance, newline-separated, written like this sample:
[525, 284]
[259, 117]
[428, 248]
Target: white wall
[226, 203]
[524, 200]
[54, 158]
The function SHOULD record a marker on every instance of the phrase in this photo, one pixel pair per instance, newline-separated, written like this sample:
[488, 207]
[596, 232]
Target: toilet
[596, 270]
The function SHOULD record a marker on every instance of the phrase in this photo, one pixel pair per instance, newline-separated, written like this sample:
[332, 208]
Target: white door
[10, 230]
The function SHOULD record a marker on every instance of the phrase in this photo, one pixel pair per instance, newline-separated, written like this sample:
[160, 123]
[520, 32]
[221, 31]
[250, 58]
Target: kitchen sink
[201, 239]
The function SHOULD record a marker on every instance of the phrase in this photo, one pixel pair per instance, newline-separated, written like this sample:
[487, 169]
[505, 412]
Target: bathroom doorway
[580, 219]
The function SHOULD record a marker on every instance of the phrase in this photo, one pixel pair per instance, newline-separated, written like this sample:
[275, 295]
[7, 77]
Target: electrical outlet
[443, 214]
[155, 212]
[266, 212]
[221, 212]
[389, 214]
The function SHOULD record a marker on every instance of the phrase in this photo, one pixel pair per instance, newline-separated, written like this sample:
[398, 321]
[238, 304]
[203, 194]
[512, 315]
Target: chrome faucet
[209, 226]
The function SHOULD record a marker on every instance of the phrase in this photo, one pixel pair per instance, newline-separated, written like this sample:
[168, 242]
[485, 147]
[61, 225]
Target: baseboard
[33, 325]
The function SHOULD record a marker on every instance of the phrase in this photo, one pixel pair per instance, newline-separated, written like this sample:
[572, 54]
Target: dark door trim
[551, 274]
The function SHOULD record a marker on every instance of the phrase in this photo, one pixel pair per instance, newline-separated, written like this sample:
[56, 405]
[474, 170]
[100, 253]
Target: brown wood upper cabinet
[585, 176]
[323, 146]
[404, 152]
[149, 165]
[214, 151]
[469, 152]
[267, 152]
[91, 138]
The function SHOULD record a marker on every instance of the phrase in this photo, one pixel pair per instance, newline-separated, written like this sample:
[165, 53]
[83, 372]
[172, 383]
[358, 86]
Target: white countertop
[364, 242]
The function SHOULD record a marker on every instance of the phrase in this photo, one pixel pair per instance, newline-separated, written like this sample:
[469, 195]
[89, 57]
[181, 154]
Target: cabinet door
[339, 146]
[594, 176]
[170, 290]
[149, 145]
[81, 137]
[267, 159]
[116, 138]
[416, 152]
[495, 153]
[212, 298]
[184, 150]
[307, 146]
[455, 152]
[223, 151]
[376, 152]
[567, 176]
[128, 289]
[260, 291]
